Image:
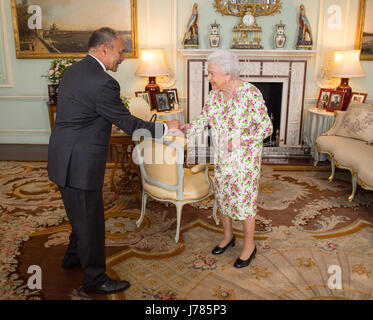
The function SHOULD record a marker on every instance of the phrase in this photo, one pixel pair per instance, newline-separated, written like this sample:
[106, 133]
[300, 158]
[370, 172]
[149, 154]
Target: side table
[130, 179]
[51, 112]
[172, 115]
[317, 122]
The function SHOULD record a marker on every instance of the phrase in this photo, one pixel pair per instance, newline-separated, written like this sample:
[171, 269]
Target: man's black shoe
[70, 261]
[108, 287]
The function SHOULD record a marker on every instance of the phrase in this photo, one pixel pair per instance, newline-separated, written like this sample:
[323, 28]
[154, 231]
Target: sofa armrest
[339, 115]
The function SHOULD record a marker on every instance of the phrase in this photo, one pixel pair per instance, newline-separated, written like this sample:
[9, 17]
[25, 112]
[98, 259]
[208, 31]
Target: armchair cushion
[195, 187]
[357, 122]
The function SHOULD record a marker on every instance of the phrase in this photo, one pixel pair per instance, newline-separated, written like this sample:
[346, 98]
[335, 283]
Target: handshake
[176, 125]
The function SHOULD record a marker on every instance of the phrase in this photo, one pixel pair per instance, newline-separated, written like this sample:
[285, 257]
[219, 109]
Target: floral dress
[244, 118]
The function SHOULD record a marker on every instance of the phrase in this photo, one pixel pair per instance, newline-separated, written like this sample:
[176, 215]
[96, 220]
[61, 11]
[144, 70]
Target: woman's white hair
[226, 61]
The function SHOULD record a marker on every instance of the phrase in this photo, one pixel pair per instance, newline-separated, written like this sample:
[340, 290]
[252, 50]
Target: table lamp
[346, 65]
[152, 64]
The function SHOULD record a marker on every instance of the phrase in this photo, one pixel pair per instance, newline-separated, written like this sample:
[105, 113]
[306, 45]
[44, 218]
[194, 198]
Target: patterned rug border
[67, 227]
[356, 226]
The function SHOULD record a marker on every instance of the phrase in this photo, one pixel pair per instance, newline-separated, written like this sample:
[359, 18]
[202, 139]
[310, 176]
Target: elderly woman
[237, 116]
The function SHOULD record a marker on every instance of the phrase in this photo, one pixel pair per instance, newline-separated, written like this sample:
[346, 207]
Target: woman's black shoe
[244, 263]
[218, 250]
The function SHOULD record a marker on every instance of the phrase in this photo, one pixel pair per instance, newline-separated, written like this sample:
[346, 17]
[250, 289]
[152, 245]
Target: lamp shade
[152, 63]
[347, 64]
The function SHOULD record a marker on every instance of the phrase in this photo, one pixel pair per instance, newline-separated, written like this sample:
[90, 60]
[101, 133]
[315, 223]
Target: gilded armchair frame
[180, 202]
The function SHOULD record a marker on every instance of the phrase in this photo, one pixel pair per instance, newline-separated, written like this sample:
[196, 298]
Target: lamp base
[346, 89]
[153, 88]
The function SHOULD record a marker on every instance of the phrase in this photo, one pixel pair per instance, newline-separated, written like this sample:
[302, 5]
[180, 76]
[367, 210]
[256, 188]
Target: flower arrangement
[125, 101]
[57, 69]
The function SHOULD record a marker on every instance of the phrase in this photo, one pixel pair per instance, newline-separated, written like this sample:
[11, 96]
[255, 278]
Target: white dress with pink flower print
[244, 119]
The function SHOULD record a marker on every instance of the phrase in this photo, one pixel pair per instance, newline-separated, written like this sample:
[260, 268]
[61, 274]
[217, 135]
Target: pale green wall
[161, 23]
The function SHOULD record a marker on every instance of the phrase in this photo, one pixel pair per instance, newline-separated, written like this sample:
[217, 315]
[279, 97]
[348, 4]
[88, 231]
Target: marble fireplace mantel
[288, 67]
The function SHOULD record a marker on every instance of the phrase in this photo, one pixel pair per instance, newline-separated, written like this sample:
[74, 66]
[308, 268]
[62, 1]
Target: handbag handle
[153, 118]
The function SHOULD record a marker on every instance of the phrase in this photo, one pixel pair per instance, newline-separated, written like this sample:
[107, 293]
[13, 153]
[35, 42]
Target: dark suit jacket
[88, 104]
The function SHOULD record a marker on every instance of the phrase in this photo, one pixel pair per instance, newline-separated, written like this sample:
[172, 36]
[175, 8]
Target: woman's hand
[184, 127]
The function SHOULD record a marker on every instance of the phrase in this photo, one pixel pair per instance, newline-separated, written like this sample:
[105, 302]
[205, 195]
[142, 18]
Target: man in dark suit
[88, 104]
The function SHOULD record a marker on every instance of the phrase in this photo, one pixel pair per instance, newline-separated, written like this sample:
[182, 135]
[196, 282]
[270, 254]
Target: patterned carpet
[308, 236]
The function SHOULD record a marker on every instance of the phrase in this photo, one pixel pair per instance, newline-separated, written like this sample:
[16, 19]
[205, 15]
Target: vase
[214, 37]
[52, 93]
[280, 38]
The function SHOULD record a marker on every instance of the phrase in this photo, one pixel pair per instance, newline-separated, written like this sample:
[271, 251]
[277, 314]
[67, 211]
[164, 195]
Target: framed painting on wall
[364, 41]
[61, 29]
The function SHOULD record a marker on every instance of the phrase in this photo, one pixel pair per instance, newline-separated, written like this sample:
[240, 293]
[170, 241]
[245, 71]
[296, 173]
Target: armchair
[165, 179]
[140, 108]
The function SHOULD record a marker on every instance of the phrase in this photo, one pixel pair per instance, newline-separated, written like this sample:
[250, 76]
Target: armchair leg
[317, 157]
[179, 208]
[143, 208]
[333, 170]
[354, 186]
[214, 210]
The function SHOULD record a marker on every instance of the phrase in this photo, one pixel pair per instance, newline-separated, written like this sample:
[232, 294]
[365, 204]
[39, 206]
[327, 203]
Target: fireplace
[275, 72]
[272, 95]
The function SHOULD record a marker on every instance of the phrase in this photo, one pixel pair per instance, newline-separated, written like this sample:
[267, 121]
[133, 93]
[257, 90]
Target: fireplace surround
[288, 67]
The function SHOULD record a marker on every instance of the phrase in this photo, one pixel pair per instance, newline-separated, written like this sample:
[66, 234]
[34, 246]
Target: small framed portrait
[146, 96]
[324, 98]
[358, 96]
[172, 95]
[335, 101]
[162, 101]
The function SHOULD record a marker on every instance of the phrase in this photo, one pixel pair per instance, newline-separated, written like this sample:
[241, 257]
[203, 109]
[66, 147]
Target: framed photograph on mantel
[61, 29]
[146, 96]
[163, 101]
[358, 96]
[335, 101]
[172, 95]
[364, 39]
[324, 98]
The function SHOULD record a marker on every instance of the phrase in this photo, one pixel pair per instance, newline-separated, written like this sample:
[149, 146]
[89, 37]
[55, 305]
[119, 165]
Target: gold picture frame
[42, 32]
[364, 39]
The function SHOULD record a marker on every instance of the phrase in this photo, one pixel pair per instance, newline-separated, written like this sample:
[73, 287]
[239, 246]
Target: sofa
[349, 144]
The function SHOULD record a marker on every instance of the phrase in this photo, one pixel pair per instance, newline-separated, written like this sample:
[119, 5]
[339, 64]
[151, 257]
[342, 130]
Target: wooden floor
[290, 161]
[28, 152]
[24, 152]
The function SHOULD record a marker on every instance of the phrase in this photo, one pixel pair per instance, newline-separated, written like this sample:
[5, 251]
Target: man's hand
[173, 124]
